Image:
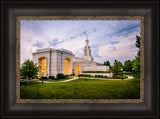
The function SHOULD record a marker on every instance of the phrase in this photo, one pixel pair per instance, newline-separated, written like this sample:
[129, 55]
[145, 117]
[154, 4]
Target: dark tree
[117, 67]
[136, 61]
[107, 63]
[28, 69]
[128, 65]
[138, 44]
[136, 64]
[138, 41]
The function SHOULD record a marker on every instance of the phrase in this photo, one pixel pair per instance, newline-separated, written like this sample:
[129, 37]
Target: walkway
[70, 79]
[129, 77]
[59, 81]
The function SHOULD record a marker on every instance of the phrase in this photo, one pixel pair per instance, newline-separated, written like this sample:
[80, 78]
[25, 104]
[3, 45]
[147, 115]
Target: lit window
[67, 66]
[78, 69]
[42, 65]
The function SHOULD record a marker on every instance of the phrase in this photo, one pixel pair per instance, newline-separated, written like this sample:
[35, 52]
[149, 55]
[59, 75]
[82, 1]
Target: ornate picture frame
[13, 106]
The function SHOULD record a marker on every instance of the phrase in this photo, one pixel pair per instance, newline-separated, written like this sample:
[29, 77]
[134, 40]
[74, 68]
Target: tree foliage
[136, 64]
[28, 69]
[138, 41]
[128, 65]
[117, 67]
[136, 61]
[107, 63]
[138, 44]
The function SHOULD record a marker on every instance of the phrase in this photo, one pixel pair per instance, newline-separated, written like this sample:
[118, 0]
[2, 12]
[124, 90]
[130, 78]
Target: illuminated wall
[78, 69]
[67, 66]
[42, 65]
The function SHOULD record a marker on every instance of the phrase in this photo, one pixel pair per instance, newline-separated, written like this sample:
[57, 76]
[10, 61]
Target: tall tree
[128, 65]
[136, 64]
[138, 41]
[107, 63]
[136, 61]
[28, 69]
[138, 44]
[117, 67]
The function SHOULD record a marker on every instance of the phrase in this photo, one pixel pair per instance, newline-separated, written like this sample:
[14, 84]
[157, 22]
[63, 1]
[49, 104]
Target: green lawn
[83, 89]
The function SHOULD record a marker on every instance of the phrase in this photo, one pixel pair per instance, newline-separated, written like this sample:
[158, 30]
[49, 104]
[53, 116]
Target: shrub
[72, 74]
[85, 75]
[22, 77]
[60, 76]
[114, 76]
[97, 71]
[44, 77]
[39, 77]
[105, 76]
[81, 75]
[99, 76]
[35, 77]
[119, 76]
[66, 76]
[51, 77]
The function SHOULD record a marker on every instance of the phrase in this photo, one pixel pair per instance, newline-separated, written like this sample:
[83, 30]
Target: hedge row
[59, 76]
[119, 76]
[97, 71]
[96, 76]
[101, 76]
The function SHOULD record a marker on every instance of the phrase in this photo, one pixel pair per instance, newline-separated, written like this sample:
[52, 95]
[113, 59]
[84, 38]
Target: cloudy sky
[108, 39]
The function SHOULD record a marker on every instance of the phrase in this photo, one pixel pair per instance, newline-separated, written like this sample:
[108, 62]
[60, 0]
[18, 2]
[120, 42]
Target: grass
[83, 89]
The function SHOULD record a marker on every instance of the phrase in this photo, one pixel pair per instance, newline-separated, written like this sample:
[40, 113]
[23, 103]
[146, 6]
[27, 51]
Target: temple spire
[87, 41]
[87, 50]
[86, 37]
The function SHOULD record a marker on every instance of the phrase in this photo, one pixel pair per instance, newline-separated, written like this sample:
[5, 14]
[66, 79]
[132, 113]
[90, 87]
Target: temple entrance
[67, 66]
[42, 65]
[78, 69]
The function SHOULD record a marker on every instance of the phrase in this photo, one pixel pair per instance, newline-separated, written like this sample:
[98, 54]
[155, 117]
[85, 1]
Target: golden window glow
[67, 65]
[43, 64]
[78, 69]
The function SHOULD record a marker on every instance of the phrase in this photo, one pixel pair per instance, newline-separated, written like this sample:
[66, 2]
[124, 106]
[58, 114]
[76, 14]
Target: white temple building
[53, 61]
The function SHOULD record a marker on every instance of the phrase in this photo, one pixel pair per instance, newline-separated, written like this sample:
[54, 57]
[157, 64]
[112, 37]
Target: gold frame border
[19, 18]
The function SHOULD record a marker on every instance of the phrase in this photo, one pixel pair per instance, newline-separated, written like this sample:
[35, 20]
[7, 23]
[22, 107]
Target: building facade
[53, 61]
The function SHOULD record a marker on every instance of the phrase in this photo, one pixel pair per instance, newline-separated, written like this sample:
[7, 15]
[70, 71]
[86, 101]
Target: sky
[108, 39]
